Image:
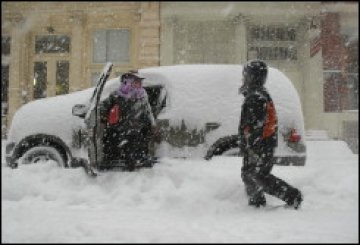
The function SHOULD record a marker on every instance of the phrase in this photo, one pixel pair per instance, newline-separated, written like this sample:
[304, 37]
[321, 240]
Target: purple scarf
[129, 92]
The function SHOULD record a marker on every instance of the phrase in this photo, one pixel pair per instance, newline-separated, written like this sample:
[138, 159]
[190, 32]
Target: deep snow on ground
[181, 201]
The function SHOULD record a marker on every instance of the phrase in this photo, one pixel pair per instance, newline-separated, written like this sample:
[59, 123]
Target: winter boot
[257, 201]
[295, 199]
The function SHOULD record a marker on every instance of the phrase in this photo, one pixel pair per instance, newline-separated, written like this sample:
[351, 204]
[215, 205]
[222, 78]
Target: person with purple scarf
[129, 122]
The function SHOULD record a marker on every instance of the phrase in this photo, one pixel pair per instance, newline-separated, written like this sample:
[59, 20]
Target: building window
[5, 52]
[204, 42]
[52, 44]
[334, 87]
[272, 33]
[111, 46]
[40, 80]
[352, 71]
[5, 45]
[341, 87]
[272, 53]
[352, 84]
[4, 89]
[341, 91]
[62, 77]
[272, 43]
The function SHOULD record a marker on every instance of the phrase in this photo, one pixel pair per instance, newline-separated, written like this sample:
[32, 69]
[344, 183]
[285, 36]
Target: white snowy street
[181, 201]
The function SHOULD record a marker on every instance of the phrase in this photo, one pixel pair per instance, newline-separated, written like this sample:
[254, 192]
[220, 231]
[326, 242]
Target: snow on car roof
[196, 93]
[209, 93]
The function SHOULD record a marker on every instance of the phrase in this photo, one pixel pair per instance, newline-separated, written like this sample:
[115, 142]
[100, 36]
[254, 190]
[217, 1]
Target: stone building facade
[314, 43]
[52, 48]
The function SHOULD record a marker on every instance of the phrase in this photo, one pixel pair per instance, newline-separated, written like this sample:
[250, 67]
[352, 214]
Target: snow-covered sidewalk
[181, 201]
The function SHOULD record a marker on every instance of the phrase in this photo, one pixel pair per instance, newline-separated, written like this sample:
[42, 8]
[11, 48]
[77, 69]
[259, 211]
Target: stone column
[149, 41]
[312, 68]
[240, 39]
[76, 76]
[167, 41]
[16, 76]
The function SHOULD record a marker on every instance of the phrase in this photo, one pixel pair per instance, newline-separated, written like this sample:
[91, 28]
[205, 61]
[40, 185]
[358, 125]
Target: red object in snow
[294, 136]
[114, 114]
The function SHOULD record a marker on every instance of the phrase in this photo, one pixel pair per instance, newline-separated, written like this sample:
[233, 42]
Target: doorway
[50, 66]
[50, 77]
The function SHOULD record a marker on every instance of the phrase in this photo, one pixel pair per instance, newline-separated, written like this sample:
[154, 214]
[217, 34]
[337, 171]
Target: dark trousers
[137, 146]
[128, 145]
[258, 180]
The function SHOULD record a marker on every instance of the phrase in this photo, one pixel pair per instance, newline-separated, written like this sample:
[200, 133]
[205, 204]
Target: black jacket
[258, 123]
[132, 115]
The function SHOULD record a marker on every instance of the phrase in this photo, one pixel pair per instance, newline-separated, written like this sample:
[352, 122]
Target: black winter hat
[256, 71]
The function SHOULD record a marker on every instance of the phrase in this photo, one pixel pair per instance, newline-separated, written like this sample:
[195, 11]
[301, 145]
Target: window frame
[67, 86]
[289, 44]
[51, 59]
[107, 30]
[196, 51]
[5, 103]
[118, 67]
[337, 82]
[46, 83]
[5, 62]
[9, 43]
[39, 56]
[52, 53]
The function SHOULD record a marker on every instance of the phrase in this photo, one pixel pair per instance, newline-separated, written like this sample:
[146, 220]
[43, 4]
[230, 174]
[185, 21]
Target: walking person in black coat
[258, 140]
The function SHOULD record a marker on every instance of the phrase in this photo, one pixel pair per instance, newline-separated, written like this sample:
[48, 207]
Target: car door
[92, 119]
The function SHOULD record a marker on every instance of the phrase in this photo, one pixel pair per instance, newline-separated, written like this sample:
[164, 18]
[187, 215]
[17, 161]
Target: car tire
[42, 153]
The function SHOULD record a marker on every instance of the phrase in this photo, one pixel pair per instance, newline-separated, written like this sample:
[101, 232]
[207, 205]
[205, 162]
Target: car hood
[51, 116]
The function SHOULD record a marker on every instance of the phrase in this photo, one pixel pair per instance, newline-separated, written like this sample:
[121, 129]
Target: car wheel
[42, 153]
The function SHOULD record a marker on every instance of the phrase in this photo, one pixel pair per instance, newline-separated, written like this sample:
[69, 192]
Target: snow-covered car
[197, 108]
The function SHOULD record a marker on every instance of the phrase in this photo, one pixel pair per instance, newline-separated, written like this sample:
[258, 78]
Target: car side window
[157, 98]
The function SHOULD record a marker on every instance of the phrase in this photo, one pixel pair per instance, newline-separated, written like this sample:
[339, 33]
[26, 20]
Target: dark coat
[128, 137]
[133, 115]
[258, 123]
